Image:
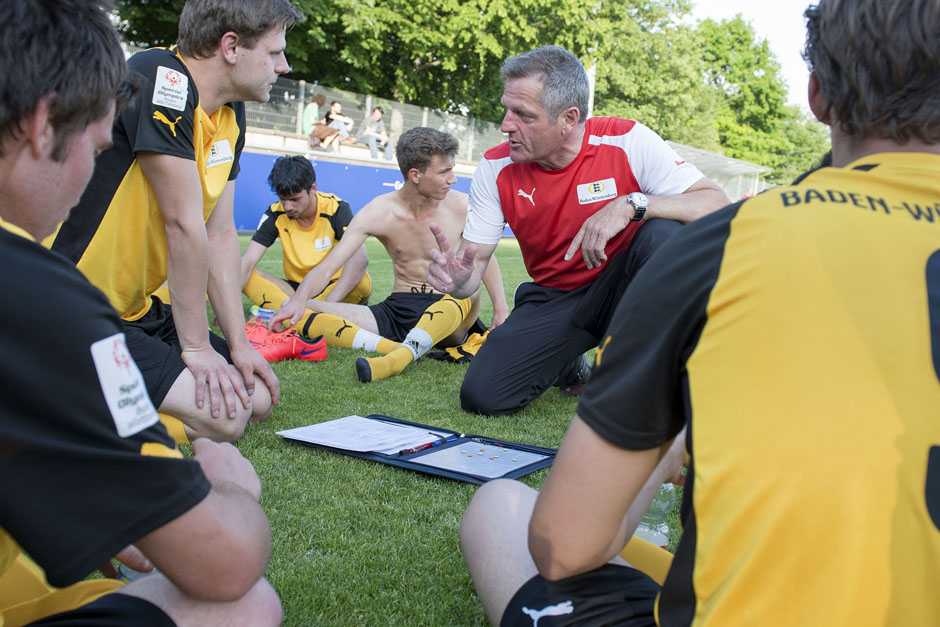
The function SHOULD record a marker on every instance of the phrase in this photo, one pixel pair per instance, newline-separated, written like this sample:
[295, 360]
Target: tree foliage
[753, 121]
[713, 85]
[444, 54]
[650, 69]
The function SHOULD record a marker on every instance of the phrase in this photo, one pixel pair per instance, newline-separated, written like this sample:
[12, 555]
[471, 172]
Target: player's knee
[477, 396]
[225, 429]
[261, 403]
[492, 496]
[265, 604]
[473, 397]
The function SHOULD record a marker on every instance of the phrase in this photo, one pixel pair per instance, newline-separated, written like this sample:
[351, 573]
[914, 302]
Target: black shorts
[610, 595]
[111, 610]
[153, 344]
[400, 312]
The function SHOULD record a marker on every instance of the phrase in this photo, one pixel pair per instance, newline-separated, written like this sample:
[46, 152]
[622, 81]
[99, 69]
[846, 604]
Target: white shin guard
[418, 342]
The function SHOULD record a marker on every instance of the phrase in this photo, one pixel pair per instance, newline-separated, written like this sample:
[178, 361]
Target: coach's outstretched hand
[450, 271]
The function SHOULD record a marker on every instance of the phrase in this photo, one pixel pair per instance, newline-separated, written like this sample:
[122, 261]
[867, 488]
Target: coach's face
[533, 135]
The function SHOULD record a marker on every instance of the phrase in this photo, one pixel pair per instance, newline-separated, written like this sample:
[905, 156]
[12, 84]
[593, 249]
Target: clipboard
[461, 457]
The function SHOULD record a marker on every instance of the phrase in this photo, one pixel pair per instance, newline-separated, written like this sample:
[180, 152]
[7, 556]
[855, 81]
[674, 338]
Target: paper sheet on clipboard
[355, 433]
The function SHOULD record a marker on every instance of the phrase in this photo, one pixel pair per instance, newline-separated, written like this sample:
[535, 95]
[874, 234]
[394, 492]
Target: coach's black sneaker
[575, 377]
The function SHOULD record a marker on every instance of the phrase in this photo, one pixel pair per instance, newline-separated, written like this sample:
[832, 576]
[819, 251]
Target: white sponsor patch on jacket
[597, 191]
[322, 243]
[170, 89]
[123, 386]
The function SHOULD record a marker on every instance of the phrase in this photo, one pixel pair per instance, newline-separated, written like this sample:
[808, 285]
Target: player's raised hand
[449, 270]
[291, 311]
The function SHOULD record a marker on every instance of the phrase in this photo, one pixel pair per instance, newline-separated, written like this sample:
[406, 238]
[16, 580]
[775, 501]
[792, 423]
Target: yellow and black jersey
[117, 234]
[305, 248]
[798, 333]
[86, 467]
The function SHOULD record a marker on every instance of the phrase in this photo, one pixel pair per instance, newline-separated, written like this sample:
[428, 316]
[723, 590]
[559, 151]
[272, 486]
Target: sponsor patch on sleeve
[123, 386]
[221, 152]
[170, 89]
[597, 191]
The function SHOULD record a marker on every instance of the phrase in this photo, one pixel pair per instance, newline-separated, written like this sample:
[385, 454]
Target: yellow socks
[175, 428]
[436, 323]
[342, 333]
[263, 293]
[375, 368]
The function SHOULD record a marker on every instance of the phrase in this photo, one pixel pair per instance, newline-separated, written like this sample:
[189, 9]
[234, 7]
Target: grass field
[361, 543]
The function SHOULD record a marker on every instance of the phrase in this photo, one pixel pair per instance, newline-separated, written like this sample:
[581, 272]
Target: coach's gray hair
[564, 81]
[878, 66]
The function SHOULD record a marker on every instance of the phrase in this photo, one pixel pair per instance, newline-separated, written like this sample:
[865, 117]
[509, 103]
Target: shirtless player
[414, 314]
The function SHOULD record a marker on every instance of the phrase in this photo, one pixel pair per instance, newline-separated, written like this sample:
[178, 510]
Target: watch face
[638, 200]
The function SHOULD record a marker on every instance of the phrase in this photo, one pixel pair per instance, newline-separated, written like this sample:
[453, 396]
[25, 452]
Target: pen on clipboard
[442, 440]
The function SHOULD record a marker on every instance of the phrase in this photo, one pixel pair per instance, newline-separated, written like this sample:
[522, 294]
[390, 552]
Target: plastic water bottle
[654, 526]
[129, 575]
[263, 314]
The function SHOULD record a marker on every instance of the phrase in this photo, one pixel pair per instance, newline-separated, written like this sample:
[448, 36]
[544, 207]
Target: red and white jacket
[546, 208]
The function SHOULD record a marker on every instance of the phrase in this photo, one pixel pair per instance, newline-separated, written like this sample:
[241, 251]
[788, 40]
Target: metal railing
[283, 113]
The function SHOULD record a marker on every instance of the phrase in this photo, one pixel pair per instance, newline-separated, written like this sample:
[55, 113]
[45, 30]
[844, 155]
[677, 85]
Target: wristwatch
[640, 202]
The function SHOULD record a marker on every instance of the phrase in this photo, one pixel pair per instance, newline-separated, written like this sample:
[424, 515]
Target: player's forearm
[187, 277]
[312, 284]
[469, 286]
[493, 282]
[577, 523]
[319, 277]
[353, 272]
[225, 285]
[217, 550]
[246, 266]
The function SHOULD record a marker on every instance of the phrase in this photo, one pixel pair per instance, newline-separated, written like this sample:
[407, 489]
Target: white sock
[367, 340]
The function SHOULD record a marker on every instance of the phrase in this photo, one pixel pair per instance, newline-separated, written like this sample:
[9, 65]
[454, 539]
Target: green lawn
[361, 543]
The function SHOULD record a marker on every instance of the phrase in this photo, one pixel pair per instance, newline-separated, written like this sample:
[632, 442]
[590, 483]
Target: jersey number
[932, 487]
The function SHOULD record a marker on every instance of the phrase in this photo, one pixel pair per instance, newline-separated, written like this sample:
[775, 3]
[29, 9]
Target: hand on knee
[261, 405]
